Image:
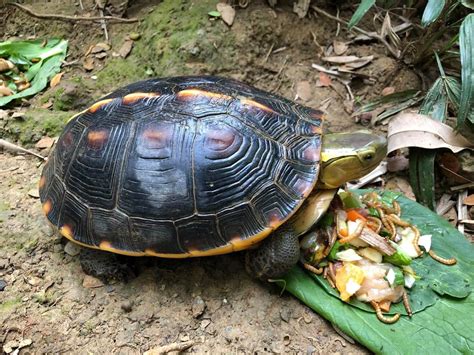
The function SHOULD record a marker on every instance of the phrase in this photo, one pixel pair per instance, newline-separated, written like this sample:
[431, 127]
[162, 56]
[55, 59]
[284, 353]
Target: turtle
[196, 166]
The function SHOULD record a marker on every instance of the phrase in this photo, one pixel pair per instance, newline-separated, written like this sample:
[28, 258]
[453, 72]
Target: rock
[34, 192]
[134, 36]
[205, 323]
[285, 314]
[72, 249]
[198, 307]
[91, 282]
[127, 306]
[3, 284]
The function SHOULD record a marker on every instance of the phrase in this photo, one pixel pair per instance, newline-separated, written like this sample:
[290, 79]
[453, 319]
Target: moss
[177, 38]
[8, 305]
[35, 124]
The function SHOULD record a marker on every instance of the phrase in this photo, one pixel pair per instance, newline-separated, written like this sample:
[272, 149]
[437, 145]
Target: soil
[211, 301]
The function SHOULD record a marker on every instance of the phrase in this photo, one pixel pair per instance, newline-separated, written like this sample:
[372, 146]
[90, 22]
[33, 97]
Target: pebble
[3, 284]
[285, 314]
[72, 249]
[126, 306]
[134, 36]
[198, 307]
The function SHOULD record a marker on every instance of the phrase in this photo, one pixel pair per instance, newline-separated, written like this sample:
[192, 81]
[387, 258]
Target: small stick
[66, 18]
[374, 35]
[268, 54]
[165, 349]
[461, 187]
[441, 260]
[102, 22]
[15, 148]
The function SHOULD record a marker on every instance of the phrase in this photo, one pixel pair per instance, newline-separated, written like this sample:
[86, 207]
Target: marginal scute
[98, 105]
[47, 207]
[67, 231]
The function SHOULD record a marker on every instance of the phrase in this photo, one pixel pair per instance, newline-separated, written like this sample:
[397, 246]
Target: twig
[66, 18]
[461, 187]
[268, 53]
[15, 148]
[81, 5]
[165, 349]
[374, 35]
[324, 70]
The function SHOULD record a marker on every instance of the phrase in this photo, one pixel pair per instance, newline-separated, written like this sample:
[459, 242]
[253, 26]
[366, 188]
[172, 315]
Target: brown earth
[211, 301]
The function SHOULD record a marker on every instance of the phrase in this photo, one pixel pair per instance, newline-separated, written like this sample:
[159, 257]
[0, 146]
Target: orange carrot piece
[353, 215]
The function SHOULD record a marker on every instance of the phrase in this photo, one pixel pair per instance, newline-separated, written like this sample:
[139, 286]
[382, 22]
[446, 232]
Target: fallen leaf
[214, 14]
[339, 47]
[301, 7]
[23, 85]
[47, 104]
[91, 282]
[89, 50]
[469, 200]
[45, 142]
[5, 65]
[303, 90]
[388, 90]
[324, 79]
[101, 55]
[126, 48]
[100, 47]
[398, 183]
[5, 91]
[227, 13]
[341, 59]
[88, 63]
[416, 130]
[56, 79]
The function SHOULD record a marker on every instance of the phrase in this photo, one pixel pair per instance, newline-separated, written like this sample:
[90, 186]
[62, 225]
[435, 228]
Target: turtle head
[349, 156]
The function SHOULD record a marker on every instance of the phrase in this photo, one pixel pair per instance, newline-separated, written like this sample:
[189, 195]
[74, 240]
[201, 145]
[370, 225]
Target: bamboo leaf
[466, 46]
[362, 9]
[433, 9]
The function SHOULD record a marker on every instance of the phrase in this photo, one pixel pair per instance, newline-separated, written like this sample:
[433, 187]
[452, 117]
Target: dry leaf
[341, 59]
[339, 47]
[5, 91]
[416, 130]
[469, 200]
[89, 50]
[100, 47]
[5, 65]
[303, 90]
[301, 7]
[324, 79]
[101, 55]
[91, 282]
[47, 104]
[34, 193]
[126, 48]
[398, 183]
[45, 142]
[388, 90]
[88, 63]
[227, 13]
[23, 85]
[56, 79]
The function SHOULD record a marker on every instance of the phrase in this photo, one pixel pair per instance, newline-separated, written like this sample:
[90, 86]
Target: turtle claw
[105, 266]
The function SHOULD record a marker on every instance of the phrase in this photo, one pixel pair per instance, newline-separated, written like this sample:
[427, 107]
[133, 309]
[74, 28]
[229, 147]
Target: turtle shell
[179, 167]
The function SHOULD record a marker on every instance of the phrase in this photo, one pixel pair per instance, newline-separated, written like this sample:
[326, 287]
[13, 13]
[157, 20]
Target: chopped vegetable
[348, 275]
[409, 280]
[407, 243]
[425, 241]
[371, 254]
[400, 258]
[353, 215]
[348, 255]
[335, 249]
[350, 200]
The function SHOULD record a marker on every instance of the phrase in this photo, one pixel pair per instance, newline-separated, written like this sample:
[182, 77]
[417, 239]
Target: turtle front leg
[275, 256]
[104, 265]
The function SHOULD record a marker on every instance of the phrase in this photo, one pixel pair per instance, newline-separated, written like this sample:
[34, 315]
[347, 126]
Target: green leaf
[214, 13]
[362, 9]
[399, 278]
[442, 299]
[50, 59]
[422, 177]
[433, 9]
[468, 3]
[400, 258]
[466, 46]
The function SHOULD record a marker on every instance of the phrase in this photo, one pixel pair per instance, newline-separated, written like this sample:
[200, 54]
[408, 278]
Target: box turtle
[197, 166]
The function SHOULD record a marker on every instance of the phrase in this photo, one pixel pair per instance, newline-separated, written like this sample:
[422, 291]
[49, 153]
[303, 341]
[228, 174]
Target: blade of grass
[362, 9]
[433, 10]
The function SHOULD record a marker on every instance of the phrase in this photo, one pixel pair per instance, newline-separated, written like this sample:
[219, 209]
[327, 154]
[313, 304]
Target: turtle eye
[368, 157]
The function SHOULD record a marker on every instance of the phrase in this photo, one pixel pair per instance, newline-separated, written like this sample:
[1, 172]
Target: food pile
[364, 249]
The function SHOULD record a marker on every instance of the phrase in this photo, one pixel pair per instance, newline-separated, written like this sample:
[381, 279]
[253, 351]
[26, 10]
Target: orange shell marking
[193, 93]
[131, 98]
[316, 129]
[241, 244]
[47, 207]
[42, 182]
[98, 105]
[249, 102]
[97, 138]
[66, 231]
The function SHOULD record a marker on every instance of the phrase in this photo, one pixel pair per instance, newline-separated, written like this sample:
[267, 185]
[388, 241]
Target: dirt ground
[212, 301]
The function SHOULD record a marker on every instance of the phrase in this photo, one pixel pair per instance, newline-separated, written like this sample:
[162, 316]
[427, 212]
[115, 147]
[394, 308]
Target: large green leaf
[49, 58]
[443, 299]
[433, 9]
[466, 47]
[362, 9]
